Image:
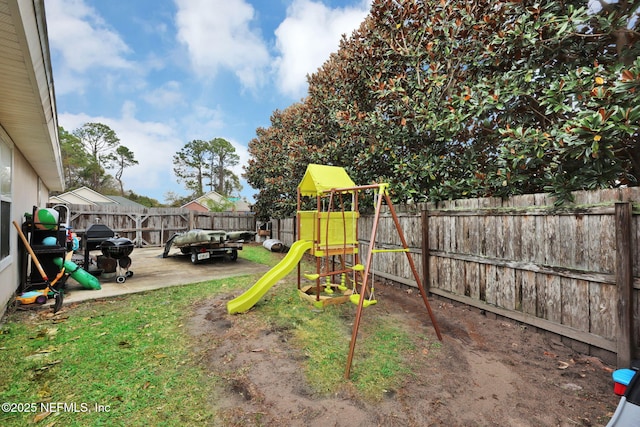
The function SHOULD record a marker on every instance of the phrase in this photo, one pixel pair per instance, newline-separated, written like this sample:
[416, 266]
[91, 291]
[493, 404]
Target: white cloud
[84, 41]
[201, 122]
[218, 35]
[152, 143]
[168, 95]
[243, 153]
[306, 38]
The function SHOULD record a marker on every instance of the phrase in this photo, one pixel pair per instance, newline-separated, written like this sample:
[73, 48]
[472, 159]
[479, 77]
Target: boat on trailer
[202, 244]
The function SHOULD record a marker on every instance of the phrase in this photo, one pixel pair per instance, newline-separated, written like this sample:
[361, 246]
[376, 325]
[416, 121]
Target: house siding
[28, 124]
[27, 191]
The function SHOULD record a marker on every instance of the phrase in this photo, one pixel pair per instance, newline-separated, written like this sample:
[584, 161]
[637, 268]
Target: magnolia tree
[466, 99]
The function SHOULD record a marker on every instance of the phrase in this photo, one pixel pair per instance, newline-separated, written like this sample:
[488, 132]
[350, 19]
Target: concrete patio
[151, 271]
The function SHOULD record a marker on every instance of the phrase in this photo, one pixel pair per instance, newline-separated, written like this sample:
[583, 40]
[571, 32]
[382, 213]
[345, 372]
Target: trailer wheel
[194, 258]
[234, 255]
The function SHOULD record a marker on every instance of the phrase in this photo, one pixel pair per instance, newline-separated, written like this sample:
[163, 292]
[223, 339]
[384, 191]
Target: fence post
[424, 220]
[279, 235]
[138, 231]
[624, 283]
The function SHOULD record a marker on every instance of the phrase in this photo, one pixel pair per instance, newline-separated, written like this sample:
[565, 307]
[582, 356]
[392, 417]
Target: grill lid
[94, 235]
[98, 232]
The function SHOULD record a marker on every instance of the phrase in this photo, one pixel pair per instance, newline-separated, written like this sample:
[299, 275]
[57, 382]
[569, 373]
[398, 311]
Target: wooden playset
[332, 230]
[331, 235]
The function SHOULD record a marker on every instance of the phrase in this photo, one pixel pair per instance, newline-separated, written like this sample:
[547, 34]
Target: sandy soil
[488, 372]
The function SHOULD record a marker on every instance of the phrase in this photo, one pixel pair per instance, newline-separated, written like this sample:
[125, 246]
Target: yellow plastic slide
[248, 299]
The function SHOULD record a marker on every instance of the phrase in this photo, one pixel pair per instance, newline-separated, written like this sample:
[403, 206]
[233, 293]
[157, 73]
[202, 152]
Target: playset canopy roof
[320, 178]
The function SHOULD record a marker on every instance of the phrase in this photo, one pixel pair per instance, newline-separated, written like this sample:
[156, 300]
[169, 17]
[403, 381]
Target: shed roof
[320, 178]
[87, 196]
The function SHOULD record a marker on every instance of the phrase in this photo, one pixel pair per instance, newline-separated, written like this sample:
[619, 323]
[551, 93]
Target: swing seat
[358, 267]
[355, 298]
[314, 276]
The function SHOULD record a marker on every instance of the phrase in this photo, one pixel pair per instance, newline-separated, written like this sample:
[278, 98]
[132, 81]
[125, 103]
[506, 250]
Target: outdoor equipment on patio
[119, 249]
[92, 239]
[40, 296]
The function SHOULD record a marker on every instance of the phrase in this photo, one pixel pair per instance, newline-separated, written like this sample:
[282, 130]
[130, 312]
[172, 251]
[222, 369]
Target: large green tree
[469, 99]
[75, 159]
[200, 163]
[122, 158]
[100, 141]
[279, 157]
[190, 164]
[222, 158]
[80, 168]
[88, 152]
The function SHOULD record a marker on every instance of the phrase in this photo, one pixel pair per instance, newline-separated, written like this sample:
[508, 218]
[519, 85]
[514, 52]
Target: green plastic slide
[248, 299]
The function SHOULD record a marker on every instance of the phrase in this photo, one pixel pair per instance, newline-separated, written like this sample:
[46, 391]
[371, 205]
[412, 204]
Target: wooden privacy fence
[573, 271]
[284, 230]
[154, 226]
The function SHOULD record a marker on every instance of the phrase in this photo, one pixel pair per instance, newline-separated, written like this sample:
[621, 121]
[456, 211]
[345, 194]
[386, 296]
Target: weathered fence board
[154, 226]
[575, 309]
[553, 268]
[284, 230]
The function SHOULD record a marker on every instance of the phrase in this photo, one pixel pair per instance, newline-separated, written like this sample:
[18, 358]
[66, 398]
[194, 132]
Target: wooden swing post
[396, 221]
[416, 276]
[365, 278]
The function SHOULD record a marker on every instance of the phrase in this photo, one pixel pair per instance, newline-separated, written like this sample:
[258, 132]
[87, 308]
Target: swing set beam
[379, 251]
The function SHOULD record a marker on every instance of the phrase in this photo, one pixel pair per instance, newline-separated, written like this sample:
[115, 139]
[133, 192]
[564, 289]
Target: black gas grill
[95, 235]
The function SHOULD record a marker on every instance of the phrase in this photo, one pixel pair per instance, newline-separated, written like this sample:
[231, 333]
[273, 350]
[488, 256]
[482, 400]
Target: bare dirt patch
[487, 372]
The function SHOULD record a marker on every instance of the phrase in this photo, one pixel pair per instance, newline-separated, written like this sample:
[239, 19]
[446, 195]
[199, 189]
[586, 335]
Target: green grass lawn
[127, 360]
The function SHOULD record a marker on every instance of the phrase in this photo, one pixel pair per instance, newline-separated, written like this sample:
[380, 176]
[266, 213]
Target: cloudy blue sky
[161, 73]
